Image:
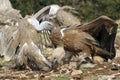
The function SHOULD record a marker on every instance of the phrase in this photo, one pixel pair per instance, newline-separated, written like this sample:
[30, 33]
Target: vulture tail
[103, 53]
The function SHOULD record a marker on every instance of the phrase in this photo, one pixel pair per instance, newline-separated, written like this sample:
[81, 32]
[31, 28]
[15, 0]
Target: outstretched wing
[66, 17]
[104, 30]
[44, 11]
[95, 25]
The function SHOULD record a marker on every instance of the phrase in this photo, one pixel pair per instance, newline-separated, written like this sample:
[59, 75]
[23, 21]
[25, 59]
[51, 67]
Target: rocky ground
[106, 71]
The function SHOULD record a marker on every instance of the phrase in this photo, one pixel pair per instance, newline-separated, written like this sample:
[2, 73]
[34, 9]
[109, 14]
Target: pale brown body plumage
[90, 38]
[76, 41]
[30, 54]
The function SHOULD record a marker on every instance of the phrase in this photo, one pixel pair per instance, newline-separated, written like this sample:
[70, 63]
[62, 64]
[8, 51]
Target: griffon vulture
[95, 38]
[29, 48]
[18, 36]
[9, 29]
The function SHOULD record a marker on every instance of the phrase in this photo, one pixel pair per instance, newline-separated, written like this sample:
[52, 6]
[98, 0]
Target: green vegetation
[63, 77]
[88, 9]
[6, 63]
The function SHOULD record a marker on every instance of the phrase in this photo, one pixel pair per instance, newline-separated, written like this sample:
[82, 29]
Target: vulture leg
[68, 56]
[101, 52]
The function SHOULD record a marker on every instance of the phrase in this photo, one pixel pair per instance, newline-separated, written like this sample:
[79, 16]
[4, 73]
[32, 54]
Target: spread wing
[66, 17]
[104, 30]
[44, 11]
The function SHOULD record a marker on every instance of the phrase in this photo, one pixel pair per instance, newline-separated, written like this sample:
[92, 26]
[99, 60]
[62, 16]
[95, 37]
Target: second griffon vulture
[95, 38]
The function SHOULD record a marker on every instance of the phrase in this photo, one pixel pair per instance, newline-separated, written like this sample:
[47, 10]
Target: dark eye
[49, 24]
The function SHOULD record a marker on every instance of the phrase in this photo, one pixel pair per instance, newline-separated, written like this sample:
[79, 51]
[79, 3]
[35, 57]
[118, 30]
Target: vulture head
[45, 25]
[53, 10]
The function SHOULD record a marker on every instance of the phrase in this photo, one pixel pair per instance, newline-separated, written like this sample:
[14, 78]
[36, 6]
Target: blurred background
[88, 9]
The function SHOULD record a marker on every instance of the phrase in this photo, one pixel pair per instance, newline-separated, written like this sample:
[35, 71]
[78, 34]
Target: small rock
[98, 60]
[64, 69]
[117, 52]
[41, 77]
[73, 65]
[106, 77]
[116, 64]
[76, 72]
[87, 65]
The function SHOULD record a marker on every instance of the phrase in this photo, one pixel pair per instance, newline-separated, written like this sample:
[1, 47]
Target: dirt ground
[66, 72]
